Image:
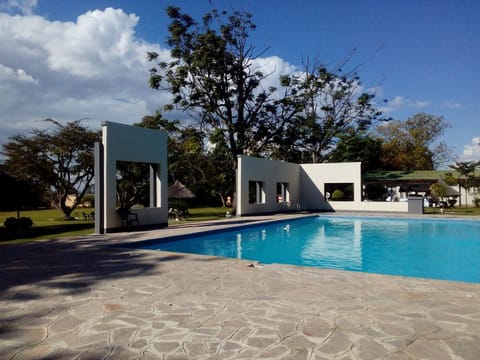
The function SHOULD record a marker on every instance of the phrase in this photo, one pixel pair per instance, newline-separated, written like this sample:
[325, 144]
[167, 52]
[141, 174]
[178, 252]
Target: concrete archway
[133, 144]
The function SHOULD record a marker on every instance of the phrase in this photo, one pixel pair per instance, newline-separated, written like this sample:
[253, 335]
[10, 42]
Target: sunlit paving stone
[201, 307]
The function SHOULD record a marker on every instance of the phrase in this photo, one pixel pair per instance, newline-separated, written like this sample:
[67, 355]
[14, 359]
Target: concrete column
[99, 190]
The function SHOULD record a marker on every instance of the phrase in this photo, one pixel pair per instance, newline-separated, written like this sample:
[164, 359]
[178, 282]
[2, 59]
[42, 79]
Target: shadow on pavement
[68, 266]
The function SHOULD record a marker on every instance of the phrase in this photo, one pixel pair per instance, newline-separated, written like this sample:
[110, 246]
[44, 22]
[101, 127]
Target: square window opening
[256, 192]
[283, 194]
[339, 192]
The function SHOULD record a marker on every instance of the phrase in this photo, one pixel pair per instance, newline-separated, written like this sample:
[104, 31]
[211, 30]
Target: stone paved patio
[81, 299]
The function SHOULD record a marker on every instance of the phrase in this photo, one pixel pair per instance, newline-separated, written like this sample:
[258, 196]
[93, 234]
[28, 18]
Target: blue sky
[422, 56]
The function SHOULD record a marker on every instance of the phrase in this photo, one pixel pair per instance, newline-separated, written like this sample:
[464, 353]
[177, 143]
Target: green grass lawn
[48, 224]
[462, 211]
[209, 213]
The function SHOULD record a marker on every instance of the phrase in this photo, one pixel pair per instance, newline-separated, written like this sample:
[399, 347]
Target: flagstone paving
[82, 299]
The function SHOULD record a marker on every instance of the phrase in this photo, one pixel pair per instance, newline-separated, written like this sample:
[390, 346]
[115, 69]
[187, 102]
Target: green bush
[337, 195]
[10, 224]
[13, 224]
[25, 223]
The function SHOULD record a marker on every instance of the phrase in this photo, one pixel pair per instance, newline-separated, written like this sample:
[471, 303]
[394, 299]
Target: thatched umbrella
[441, 190]
[179, 191]
[449, 191]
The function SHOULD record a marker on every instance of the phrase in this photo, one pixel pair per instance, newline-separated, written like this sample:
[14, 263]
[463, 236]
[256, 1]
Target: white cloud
[24, 7]
[19, 75]
[73, 70]
[471, 152]
[376, 90]
[397, 101]
[421, 104]
[452, 105]
[111, 32]
[393, 105]
[400, 103]
[273, 64]
[94, 68]
[272, 67]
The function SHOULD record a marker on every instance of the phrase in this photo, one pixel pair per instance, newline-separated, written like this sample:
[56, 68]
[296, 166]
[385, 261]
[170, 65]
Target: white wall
[270, 172]
[471, 194]
[375, 206]
[315, 176]
[136, 144]
[306, 184]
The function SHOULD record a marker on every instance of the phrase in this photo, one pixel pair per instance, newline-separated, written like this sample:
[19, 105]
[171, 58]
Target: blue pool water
[436, 249]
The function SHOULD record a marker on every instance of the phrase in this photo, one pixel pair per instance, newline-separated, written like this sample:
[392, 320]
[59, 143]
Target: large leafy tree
[58, 159]
[186, 149]
[358, 146]
[17, 194]
[213, 76]
[414, 144]
[133, 187]
[221, 183]
[193, 160]
[333, 106]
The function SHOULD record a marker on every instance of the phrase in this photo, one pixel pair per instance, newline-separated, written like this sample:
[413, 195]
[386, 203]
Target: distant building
[400, 184]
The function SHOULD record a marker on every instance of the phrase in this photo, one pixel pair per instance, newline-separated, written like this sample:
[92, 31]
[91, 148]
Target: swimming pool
[426, 248]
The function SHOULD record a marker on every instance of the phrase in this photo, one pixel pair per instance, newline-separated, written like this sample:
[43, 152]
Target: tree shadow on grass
[44, 231]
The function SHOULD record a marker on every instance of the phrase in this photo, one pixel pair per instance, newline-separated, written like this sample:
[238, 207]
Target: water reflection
[239, 246]
[421, 248]
[335, 244]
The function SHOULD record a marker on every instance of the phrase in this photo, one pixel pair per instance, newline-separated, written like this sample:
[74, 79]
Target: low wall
[150, 216]
[379, 206]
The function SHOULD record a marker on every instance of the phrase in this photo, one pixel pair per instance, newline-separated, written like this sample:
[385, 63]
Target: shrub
[25, 223]
[10, 224]
[13, 224]
[337, 195]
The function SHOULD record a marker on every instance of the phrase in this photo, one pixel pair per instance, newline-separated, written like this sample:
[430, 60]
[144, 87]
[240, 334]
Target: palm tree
[467, 170]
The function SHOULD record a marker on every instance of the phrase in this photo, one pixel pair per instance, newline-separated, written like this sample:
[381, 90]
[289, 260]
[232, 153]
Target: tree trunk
[460, 197]
[67, 211]
[222, 199]
[234, 203]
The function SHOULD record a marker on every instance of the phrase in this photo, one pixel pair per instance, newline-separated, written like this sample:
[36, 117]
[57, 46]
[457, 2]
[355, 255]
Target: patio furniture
[128, 218]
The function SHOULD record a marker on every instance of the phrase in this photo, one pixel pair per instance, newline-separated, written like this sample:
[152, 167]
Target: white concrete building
[266, 186]
[130, 144]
